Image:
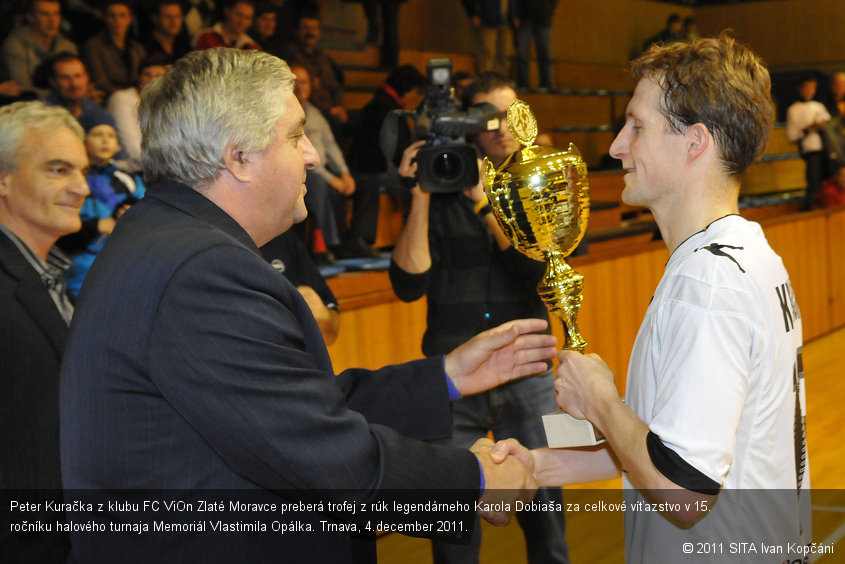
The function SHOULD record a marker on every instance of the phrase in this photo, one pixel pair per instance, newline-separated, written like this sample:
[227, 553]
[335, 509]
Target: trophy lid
[523, 126]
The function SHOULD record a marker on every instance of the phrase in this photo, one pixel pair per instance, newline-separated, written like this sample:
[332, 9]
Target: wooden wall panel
[786, 33]
[600, 32]
[602, 35]
[835, 237]
[802, 244]
[378, 335]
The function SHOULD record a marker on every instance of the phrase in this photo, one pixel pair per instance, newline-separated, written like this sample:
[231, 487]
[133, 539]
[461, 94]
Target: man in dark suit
[213, 382]
[42, 187]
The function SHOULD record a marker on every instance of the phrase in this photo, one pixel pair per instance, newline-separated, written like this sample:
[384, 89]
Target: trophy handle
[560, 289]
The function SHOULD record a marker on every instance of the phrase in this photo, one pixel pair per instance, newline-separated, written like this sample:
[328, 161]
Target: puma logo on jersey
[716, 249]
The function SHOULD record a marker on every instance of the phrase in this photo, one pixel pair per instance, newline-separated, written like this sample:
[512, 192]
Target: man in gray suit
[42, 187]
[194, 365]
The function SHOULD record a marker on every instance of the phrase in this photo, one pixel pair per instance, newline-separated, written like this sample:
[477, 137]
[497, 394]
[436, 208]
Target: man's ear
[237, 162]
[4, 182]
[698, 139]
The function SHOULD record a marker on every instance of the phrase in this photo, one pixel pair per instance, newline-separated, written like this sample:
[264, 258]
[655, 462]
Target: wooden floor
[598, 538]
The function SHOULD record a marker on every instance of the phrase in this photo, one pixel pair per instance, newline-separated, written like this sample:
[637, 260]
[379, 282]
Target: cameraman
[453, 251]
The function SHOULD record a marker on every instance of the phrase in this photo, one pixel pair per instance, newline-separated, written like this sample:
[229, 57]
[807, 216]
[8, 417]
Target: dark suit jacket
[194, 365]
[32, 338]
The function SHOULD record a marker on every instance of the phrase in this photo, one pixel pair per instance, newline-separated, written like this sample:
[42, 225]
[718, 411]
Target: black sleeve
[408, 287]
[681, 472]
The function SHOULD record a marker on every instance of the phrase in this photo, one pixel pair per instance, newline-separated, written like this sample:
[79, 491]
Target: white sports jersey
[716, 374]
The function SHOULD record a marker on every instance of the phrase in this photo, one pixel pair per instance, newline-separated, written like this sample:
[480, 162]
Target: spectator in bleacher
[113, 191]
[168, 34]
[288, 255]
[453, 251]
[690, 30]
[123, 105]
[264, 26]
[833, 134]
[669, 34]
[489, 25]
[30, 44]
[370, 168]
[326, 78]
[832, 192]
[232, 31]
[329, 183]
[389, 20]
[42, 164]
[804, 120]
[532, 21]
[71, 88]
[113, 55]
[836, 106]
[198, 15]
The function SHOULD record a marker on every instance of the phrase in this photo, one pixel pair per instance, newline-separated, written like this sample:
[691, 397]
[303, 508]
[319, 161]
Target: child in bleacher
[113, 190]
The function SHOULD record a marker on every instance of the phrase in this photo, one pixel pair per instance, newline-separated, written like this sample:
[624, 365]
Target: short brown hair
[718, 82]
[484, 83]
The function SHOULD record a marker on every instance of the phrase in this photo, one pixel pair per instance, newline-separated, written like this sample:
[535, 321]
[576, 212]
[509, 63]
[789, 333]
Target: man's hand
[582, 382]
[343, 184]
[512, 447]
[106, 225]
[348, 184]
[505, 482]
[509, 351]
[408, 165]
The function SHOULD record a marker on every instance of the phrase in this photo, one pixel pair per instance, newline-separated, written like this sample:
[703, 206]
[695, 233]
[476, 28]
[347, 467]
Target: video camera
[447, 163]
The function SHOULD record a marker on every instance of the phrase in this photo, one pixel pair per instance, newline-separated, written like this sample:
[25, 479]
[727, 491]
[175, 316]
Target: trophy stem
[560, 289]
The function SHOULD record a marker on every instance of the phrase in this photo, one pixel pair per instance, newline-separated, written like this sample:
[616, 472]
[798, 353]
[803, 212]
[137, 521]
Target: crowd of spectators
[94, 59]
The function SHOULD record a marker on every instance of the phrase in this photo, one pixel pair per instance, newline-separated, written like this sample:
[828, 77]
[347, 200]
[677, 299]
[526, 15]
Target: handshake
[584, 387]
[508, 477]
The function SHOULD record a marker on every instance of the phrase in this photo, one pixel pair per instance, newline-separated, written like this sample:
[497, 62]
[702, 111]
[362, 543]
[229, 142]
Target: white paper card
[563, 431]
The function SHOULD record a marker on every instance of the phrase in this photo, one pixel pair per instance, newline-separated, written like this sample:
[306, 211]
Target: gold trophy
[541, 199]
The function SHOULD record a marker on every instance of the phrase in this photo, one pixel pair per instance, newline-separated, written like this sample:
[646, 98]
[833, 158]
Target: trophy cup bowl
[541, 200]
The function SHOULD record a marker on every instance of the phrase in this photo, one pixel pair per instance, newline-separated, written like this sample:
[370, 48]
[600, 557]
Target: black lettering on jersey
[796, 312]
[800, 420]
[788, 305]
[716, 249]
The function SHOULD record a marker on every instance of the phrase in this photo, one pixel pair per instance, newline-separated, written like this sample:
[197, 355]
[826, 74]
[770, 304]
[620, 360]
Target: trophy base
[564, 431]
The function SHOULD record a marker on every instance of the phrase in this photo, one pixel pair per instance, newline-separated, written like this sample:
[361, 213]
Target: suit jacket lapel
[32, 294]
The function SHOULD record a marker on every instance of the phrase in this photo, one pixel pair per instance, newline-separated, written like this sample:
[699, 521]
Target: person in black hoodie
[369, 165]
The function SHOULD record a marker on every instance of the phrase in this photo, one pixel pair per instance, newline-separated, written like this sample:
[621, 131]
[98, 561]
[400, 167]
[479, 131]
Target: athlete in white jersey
[712, 433]
[716, 375]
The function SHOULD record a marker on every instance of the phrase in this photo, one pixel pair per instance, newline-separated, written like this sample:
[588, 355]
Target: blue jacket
[110, 188]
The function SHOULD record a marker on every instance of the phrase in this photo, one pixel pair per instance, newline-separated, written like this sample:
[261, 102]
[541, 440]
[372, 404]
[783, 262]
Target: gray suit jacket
[193, 365]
